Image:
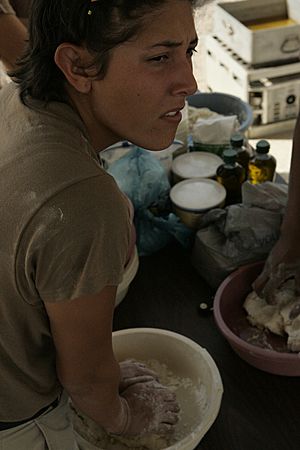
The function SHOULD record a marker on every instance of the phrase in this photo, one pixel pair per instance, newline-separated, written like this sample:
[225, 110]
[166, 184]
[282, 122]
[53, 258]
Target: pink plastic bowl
[230, 318]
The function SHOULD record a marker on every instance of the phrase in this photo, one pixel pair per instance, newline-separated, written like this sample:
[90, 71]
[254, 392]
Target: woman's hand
[134, 372]
[282, 264]
[152, 408]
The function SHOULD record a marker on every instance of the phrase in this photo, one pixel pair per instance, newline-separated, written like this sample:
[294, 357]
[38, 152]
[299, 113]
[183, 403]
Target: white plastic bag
[239, 234]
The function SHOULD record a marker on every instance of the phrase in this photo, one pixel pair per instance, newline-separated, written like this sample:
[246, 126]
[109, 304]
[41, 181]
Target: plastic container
[225, 104]
[230, 318]
[166, 156]
[111, 154]
[182, 133]
[194, 197]
[195, 165]
[231, 175]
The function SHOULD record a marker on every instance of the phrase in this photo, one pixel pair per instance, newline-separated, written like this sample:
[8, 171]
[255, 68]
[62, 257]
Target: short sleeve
[6, 8]
[76, 244]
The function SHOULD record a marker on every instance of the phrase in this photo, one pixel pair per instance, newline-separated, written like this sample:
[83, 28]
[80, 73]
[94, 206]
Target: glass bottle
[231, 175]
[263, 165]
[243, 156]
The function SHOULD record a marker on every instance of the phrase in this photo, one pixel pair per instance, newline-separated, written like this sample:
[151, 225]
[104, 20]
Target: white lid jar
[194, 197]
[195, 165]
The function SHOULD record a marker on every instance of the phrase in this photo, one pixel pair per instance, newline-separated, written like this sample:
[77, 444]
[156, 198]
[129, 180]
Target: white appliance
[272, 91]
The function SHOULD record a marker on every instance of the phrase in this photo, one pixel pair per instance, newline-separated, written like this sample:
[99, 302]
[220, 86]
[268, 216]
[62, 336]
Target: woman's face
[147, 81]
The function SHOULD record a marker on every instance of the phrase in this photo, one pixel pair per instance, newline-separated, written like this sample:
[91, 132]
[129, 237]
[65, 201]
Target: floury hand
[150, 408]
[133, 372]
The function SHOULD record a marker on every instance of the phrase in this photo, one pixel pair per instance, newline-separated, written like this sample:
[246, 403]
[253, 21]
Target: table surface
[259, 411]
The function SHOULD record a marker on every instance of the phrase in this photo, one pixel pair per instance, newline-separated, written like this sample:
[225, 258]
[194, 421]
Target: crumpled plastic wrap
[241, 233]
[209, 127]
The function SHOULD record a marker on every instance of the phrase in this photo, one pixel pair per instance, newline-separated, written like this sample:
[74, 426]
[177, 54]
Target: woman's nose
[185, 83]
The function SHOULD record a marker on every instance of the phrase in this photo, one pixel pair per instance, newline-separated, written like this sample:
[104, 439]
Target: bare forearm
[97, 396]
[283, 261]
[292, 216]
[89, 372]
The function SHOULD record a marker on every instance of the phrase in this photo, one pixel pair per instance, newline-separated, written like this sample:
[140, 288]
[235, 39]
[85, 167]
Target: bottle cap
[229, 156]
[237, 140]
[262, 146]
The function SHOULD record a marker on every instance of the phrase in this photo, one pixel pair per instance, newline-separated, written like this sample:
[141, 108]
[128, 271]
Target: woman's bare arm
[82, 333]
[284, 259]
[89, 372]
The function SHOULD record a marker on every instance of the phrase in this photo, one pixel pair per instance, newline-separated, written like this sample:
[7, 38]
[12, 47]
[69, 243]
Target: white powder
[191, 397]
[197, 194]
[196, 164]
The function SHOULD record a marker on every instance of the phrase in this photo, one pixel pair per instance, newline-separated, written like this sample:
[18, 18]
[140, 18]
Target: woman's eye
[191, 51]
[160, 58]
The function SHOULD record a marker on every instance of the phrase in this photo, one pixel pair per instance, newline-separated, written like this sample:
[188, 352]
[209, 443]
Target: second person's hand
[282, 264]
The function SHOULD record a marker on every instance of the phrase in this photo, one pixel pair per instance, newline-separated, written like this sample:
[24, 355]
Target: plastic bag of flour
[143, 179]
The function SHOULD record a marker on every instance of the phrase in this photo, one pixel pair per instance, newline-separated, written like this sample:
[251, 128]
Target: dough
[262, 315]
[281, 318]
[151, 442]
[94, 434]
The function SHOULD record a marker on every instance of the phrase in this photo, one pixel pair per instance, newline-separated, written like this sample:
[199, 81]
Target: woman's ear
[72, 61]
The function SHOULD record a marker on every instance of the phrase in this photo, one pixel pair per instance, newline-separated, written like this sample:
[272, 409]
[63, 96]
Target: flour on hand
[191, 396]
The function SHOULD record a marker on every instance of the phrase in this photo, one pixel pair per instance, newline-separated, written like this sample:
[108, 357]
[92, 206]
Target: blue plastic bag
[141, 176]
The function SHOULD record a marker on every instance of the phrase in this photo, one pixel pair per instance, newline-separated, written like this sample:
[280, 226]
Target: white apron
[52, 430]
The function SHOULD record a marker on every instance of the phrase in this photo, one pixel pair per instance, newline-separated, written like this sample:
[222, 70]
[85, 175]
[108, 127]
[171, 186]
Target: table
[259, 411]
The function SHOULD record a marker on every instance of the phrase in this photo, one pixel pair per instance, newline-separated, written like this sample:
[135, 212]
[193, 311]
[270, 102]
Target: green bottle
[231, 175]
[243, 156]
[263, 165]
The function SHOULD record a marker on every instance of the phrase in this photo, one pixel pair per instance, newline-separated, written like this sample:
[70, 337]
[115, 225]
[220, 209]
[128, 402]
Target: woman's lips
[173, 116]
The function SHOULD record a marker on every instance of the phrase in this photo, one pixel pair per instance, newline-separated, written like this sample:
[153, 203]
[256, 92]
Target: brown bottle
[263, 165]
[243, 156]
[231, 175]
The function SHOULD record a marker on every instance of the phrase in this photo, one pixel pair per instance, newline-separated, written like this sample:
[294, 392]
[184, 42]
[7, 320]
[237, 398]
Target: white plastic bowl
[188, 362]
[186, 359]
[115, 152]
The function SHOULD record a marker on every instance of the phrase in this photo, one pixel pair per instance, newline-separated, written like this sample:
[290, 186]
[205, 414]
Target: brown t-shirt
[65, 232]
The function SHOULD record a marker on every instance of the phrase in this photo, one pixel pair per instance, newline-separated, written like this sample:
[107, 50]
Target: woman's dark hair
[100, 25]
